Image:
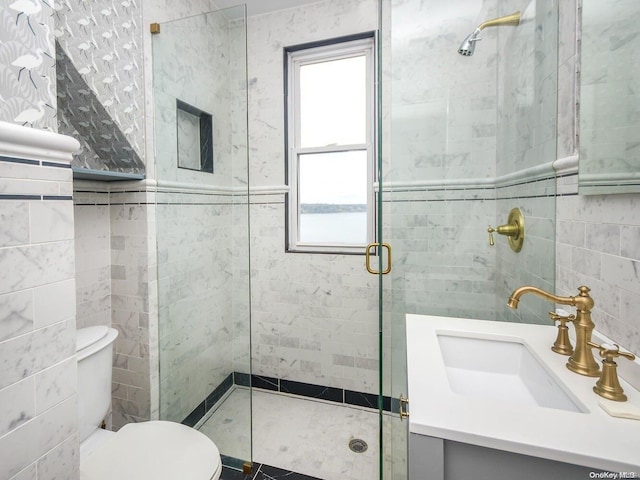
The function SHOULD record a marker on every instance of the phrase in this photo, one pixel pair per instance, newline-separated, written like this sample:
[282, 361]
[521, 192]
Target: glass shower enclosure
[464, 140]
[200, 95]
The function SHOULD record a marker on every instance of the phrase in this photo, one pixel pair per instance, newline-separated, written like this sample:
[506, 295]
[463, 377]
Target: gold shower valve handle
[514, 229]
[608, 386]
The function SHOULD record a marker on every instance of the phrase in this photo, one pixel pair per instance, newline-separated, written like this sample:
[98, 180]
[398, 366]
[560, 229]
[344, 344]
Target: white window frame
[296, 58]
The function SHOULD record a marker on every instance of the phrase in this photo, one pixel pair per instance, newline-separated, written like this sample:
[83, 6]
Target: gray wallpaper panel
[83, 112]
[27, 65]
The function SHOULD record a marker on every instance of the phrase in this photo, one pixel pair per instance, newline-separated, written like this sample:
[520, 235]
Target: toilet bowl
[154, 450]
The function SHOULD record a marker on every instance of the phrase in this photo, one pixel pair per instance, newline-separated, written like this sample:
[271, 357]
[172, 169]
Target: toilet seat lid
[155, 450]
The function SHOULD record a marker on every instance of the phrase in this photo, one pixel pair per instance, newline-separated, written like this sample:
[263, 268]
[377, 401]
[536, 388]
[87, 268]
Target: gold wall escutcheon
[514, 229]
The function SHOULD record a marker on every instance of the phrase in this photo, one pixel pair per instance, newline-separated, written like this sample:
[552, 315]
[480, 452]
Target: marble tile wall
[443, 105]
[183, 72]
[314, 317]
[534, 264]
[160, 11]
[609, 99]
[598, 235]
[195, 274]
[202, 232]
[117, 287]
[446, 268]
[134, 304]
[92, 255]
[527, 79]
[526, 140]
[442, 132]
[38, 401]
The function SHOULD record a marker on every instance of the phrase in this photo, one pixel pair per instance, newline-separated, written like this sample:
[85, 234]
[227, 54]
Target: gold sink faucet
[581, 360]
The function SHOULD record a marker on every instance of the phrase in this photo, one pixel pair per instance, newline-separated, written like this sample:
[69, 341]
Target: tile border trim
[290, 387]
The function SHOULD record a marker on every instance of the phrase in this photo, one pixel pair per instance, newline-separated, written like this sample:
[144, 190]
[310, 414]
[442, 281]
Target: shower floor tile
[291, 433]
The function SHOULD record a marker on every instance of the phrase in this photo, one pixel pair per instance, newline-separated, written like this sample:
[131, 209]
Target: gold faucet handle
[563, 319]
[562, 345]
[491, 230]
[608, 386]
[609, 352]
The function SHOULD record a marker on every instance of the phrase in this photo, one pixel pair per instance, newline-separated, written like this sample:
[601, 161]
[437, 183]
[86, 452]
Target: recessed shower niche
[195, 138]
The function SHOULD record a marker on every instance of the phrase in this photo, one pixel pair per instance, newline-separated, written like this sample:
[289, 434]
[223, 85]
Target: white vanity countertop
[592, 439]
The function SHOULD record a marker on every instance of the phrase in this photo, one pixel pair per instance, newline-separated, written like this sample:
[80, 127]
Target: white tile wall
[314, 317]
[597, 235]
[134, 304]
[115, 269]
[38, 404]
[196, 298]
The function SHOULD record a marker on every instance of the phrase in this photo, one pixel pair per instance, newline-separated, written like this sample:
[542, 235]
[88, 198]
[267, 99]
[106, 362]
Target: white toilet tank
[94, 347]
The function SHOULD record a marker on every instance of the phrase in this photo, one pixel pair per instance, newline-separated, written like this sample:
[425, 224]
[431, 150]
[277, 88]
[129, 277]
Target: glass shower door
[456, 156]
[200, 95]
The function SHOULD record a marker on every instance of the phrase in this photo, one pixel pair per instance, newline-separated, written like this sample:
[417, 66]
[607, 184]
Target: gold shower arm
[512, 20]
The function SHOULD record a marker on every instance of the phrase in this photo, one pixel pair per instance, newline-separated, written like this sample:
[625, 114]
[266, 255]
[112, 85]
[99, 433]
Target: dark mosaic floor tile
[267, 472]
[230, 474]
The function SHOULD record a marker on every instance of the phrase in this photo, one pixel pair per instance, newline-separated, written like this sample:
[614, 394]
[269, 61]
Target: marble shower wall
[195, 291]
[202, 235]
[314, 317]
[526, 142]
[527, 78]
[439, 173]
[443, 105]
[27, 64]
[38, 381]
[598, 235]
[192, 60]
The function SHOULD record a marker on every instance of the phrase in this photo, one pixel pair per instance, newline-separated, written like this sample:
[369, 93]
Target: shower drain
[358, 445]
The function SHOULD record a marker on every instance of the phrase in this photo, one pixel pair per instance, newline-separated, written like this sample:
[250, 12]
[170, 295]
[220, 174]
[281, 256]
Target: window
[330, 146]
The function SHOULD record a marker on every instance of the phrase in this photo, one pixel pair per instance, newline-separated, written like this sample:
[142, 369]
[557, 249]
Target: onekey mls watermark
[614, 475]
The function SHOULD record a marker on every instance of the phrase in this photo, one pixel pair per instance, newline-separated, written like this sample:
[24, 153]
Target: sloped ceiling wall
[100, 82]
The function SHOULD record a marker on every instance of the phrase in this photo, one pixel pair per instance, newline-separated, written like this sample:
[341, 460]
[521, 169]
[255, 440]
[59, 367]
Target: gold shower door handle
[368, 258]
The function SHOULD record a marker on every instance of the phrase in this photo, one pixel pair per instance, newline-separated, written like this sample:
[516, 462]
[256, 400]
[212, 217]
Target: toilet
[154, 450]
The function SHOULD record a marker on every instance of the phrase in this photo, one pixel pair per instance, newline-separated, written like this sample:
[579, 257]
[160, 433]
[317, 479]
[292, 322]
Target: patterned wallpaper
[27, 65]
[82, 115]
[100, 82]
[103, 40]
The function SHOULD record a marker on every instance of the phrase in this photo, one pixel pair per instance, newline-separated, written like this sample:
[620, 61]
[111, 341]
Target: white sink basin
[503, 370]
[498, 385]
